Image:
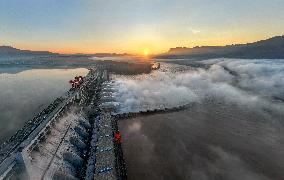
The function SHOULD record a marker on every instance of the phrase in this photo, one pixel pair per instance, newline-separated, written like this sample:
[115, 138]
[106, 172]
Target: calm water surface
[25, 93]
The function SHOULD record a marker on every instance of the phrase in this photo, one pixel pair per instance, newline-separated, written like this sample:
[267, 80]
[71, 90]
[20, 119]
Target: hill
[272, 48]
[11, 51]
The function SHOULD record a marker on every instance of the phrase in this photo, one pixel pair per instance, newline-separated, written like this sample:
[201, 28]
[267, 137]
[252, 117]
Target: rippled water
[25, 93]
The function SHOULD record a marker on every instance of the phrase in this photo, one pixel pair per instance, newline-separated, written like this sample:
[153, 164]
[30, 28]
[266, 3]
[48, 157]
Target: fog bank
[257, 84]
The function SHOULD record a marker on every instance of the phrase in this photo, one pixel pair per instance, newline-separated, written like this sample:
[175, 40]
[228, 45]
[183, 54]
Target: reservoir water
[25, 92]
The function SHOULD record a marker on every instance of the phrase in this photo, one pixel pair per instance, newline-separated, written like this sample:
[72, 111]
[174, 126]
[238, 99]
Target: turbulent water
[24, 93]
[233, 130]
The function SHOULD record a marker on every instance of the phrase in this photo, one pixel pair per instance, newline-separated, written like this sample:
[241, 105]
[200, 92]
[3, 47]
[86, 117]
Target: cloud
[194, 31]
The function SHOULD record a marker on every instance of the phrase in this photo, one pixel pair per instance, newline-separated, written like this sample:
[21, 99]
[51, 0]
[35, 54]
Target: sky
[136, 26]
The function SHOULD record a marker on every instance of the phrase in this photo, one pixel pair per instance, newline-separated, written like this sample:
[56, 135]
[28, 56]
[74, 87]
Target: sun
[146, 52]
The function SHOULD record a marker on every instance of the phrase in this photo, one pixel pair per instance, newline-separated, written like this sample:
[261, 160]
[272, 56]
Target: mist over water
[254, 83]
[234, 130]
[25, 93]
[265, 77]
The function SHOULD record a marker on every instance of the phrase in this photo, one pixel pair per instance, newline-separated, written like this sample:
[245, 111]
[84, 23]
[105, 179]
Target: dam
[73, 138]
[76, 136]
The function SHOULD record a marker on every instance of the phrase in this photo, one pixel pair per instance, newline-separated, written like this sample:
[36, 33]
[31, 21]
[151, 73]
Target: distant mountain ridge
[272, 48]
[11, 51]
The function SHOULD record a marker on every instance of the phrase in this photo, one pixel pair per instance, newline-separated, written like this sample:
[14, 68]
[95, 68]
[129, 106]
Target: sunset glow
[93, 26]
